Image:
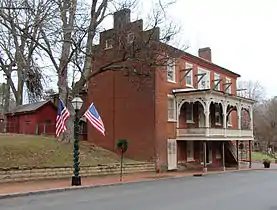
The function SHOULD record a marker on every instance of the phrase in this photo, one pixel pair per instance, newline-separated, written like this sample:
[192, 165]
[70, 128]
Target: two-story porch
[210, 127]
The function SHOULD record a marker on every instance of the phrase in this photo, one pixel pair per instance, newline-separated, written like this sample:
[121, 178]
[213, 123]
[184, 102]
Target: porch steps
[231, 154]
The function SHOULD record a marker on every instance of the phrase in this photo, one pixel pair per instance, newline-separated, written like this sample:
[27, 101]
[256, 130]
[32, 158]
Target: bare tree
[265, 121]
[48, 94]
[68, 40]
[251, 89]
[20, 20]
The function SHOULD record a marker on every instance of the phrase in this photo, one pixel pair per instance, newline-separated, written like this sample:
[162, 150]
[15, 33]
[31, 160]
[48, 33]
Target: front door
[209, 152]
[172, 154]
[190, 151]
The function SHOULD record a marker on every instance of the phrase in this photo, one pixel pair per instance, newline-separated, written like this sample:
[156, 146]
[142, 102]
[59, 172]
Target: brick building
[184, 113]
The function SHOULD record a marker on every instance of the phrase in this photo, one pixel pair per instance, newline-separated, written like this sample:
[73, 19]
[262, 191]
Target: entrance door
[172, 154]
[190, 151]
[209, 152]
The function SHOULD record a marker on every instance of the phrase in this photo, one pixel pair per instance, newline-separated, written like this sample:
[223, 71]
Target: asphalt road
[254, 190]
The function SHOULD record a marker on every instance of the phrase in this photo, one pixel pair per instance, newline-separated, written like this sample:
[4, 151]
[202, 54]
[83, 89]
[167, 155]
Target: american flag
[62, 117]
[94, 118]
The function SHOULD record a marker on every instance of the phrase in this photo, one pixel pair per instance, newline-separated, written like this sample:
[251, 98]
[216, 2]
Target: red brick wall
[127, 110]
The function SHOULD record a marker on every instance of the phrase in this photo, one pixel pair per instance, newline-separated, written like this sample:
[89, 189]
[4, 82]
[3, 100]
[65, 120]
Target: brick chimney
[121, 18]
[205, 53]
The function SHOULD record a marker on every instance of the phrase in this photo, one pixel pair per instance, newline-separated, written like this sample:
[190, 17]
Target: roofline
[212, 91]
[24, 112]
[201, 59]
[211, 63]
[19, 113]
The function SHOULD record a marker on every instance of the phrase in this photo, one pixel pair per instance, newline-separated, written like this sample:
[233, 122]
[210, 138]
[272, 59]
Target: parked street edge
[158, 177]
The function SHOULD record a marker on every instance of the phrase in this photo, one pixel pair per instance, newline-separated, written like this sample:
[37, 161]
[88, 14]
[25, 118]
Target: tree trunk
[63, 89]
[20, 85]
[67, 10]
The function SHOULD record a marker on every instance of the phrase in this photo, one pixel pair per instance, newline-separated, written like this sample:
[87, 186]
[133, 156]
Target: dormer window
[109, 44]
[130, 38]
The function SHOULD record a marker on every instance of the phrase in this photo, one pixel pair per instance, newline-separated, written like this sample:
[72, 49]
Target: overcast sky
[241, 33]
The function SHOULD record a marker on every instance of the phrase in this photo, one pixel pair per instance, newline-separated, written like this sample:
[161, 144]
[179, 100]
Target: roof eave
[215, 92]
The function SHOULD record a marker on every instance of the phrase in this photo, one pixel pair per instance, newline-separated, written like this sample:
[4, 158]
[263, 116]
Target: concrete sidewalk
[89, 182]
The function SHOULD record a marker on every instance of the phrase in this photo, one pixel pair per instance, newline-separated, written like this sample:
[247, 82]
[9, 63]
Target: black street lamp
[77, 103]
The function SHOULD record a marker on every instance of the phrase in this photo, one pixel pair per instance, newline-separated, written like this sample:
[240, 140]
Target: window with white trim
[190, 151]
[108, 44]
[228, 87]
[189, 76]
[171, 108]
[218, 119]
[217, 81]
[189, 113]
[171, 70]
[204, 83]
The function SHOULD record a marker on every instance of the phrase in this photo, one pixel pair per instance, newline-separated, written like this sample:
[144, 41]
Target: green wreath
[122, 145]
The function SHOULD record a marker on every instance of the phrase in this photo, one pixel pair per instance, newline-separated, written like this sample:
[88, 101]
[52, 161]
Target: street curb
[57, 190]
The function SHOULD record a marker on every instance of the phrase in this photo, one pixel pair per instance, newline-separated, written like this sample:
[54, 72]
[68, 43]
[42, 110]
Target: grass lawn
[38, 151]
[258, 156]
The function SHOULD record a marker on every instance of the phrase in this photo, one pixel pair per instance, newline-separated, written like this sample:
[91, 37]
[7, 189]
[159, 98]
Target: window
[171, 70]
[203, 78]
[218, 120]
[109, 44]
[189, 77]
[190, 151]
[228, 85]
[216, 81]
[189, 113]
[130, 38]
[171, 108]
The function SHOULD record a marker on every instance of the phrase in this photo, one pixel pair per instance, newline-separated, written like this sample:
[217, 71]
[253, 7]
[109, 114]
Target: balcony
[215, 133]
[206, 115]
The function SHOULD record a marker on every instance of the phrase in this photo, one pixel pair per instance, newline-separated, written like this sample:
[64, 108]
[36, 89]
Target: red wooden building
[36, 118]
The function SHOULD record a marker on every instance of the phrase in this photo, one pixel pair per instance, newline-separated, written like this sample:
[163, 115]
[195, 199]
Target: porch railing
[216, 132]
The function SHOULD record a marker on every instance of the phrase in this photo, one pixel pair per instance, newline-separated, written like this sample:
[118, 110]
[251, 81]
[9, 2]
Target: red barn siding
[46, 117]
[33, 122]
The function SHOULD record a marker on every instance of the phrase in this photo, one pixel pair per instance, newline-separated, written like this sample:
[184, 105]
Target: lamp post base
[76, 181]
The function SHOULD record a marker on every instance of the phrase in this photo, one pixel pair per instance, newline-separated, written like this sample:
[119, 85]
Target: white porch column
[239, 116]
[224, 107]
[207, 117]
[251, 117]
[177, 102]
